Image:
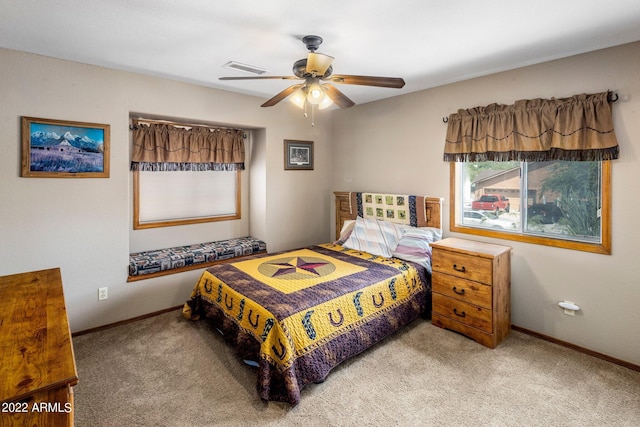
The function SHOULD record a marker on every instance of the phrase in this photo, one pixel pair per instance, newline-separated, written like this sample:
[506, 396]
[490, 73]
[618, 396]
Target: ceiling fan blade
[338, 97]
[318, 63]
[282, 95]
[261, 78]
[392, 82]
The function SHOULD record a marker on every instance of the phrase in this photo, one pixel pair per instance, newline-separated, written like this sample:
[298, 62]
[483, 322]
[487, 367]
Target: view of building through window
[555, 199]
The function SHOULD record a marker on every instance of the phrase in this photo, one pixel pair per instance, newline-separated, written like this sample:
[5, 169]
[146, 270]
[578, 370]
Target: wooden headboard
[344, 211]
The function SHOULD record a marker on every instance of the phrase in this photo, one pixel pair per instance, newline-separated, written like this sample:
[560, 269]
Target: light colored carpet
[168, 371]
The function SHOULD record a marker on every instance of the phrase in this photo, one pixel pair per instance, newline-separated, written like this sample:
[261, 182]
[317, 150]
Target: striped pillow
[414, 245]
[374, 236]
[347, 228]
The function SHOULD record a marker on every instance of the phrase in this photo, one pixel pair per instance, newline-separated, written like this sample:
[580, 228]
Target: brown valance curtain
[579, 128]
[165, 147]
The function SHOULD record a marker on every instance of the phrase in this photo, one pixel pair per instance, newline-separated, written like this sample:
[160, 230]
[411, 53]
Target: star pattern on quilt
[297, 265]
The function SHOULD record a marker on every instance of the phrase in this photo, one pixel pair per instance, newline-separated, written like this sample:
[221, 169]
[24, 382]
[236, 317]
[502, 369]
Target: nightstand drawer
[465, 266]
[461, 289]
[478, 317]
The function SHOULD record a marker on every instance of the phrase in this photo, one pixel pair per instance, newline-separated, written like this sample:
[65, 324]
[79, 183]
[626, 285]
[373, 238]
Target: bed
[295, 315]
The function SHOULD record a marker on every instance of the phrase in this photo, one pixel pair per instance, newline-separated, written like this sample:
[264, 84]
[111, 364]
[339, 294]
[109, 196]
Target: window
[555, 203]
[185, 173]
[162, 199]
[543, 167]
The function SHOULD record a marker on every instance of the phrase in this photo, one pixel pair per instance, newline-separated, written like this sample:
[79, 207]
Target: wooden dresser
[37, 366]
[471, 284]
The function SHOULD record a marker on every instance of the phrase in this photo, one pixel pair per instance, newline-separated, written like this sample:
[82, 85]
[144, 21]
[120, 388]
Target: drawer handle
[462, 314]
[461, 292]
[460, 269]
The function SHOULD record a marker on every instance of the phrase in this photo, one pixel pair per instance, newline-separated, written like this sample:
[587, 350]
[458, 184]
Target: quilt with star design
[298, 314]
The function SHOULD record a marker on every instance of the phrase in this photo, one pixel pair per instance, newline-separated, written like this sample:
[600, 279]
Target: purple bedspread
[299, 314]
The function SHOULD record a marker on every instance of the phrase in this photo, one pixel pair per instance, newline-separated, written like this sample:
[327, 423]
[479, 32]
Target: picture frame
[64, 149]
[298, 155]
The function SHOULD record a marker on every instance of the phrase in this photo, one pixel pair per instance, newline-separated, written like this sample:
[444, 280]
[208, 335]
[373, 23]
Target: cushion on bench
[148, 262]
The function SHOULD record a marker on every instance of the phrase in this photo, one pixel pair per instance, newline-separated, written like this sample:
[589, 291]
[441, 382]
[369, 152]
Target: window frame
[137, 225]
[603, 247]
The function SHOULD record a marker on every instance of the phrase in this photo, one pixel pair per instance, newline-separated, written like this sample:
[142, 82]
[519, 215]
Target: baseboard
[577, 348]
[126, 321]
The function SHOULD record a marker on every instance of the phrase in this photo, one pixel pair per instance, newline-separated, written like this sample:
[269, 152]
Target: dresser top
[471, 247]
[35, 341]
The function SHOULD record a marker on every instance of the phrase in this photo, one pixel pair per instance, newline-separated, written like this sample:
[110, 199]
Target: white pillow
[374, 236]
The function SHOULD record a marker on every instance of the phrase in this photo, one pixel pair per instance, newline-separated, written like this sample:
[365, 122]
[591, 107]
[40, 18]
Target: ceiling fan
[313, 69]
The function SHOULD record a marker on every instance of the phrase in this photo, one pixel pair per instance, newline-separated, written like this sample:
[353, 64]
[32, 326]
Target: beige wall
[395, 145]
[404, 138]
[84, 226]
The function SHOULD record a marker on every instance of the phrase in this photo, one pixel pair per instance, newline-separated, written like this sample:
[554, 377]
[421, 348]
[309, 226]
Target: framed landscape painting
[298, 155]
[63, 149]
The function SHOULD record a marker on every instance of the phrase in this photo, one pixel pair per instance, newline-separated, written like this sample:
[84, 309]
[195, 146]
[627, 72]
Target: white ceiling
[427, 42]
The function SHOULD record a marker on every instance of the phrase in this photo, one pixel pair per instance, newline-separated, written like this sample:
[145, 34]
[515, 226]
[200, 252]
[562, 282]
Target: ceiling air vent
[244, 67]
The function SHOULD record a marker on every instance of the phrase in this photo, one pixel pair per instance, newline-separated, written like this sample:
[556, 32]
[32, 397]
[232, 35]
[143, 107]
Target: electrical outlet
[103, 294]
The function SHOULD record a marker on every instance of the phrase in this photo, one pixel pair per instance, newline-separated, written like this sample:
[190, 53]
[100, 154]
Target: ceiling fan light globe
[315, 94]
[298, 98]
[326, 103]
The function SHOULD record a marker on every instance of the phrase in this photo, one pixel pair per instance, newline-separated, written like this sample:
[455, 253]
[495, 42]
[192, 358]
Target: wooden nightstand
[471, 284]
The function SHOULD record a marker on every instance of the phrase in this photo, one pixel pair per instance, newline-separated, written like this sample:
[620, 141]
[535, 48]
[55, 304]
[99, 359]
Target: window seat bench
[160, 262]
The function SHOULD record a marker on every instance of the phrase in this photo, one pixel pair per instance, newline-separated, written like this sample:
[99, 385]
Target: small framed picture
[64, 149]
[298, 155]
